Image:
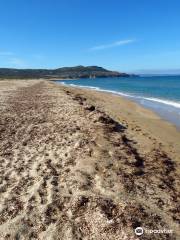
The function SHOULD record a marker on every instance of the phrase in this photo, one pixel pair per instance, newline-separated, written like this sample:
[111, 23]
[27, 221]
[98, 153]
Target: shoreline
[109, 103]
[157, 109]
[76, 162]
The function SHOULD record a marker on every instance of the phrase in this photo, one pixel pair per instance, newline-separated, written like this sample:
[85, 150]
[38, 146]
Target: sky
[124, 35]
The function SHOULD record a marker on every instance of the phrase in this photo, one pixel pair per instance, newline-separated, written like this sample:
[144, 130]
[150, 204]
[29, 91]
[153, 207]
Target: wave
[101, 90]
[167, 102]
[163, 101]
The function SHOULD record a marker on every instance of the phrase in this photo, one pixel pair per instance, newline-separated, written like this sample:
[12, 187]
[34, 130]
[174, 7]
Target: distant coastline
[60, 73]
[159, 75]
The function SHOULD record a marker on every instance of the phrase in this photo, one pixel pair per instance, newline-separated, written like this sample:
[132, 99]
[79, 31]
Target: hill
[64, 72]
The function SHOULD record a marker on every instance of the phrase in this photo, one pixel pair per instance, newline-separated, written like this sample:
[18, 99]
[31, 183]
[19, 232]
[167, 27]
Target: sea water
[158, 93]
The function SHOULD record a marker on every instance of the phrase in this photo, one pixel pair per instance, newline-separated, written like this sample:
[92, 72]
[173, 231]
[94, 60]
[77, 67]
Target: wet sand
[79, 164]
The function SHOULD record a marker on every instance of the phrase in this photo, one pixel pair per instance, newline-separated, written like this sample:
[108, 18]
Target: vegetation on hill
[64, 72]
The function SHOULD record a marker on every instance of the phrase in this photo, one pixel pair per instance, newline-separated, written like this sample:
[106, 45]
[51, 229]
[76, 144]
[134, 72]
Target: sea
[158, 93]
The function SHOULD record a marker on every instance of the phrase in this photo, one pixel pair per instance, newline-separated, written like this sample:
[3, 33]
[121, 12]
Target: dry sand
[78, 164]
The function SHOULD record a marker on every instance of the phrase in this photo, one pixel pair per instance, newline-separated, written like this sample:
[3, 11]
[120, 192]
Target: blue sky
[124, 35]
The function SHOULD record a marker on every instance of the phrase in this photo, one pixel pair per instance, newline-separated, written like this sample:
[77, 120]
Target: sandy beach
[78, 164]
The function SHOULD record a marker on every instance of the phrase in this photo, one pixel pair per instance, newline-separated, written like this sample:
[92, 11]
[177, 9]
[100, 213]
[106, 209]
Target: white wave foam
[82, 86]
[116, 92]
[167, 102]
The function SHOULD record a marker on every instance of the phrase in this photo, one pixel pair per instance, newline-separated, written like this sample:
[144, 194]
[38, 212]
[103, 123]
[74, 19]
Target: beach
[83, 164]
